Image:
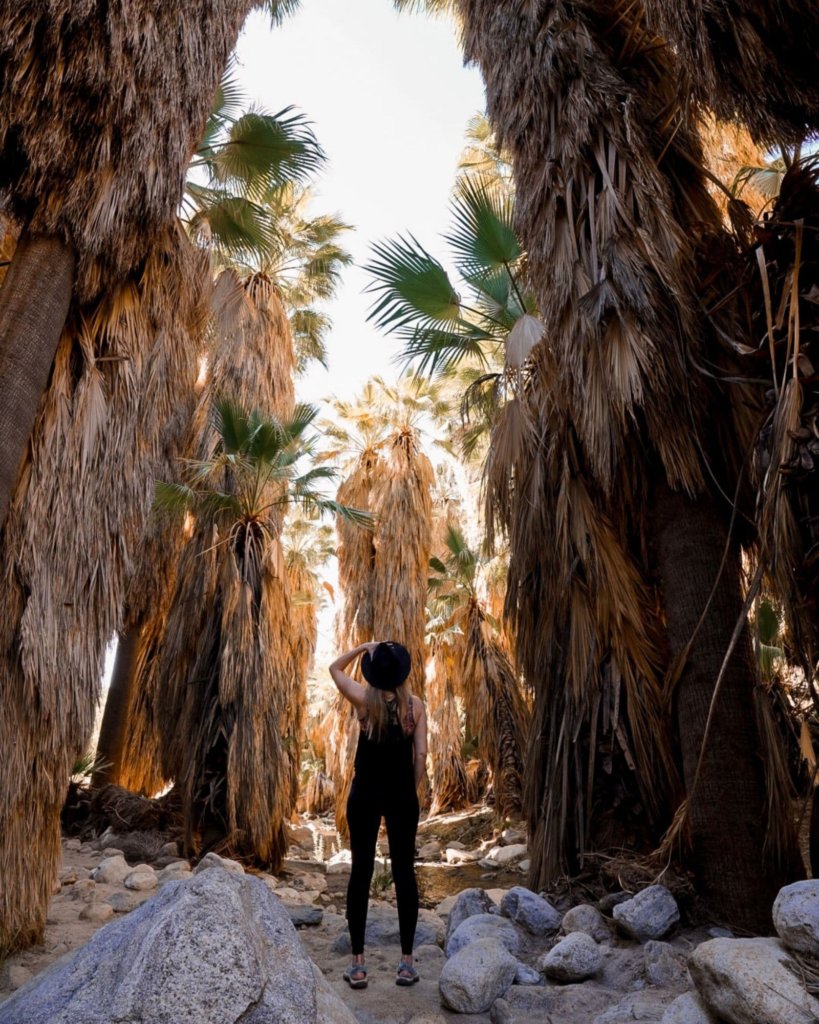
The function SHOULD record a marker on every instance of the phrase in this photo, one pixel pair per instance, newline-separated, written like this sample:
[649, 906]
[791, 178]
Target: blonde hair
[378, 714]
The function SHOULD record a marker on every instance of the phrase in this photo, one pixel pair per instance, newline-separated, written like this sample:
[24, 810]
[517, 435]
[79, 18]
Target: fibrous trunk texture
[727, 812]
[228, 692]
[403, 538]
[492, 691]
[34, 300]
[450, 784]
[73, 524]
[752, 61]
[356, 564]
[101, 107]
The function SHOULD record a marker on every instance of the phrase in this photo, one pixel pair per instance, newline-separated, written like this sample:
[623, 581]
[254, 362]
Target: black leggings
[364, 812]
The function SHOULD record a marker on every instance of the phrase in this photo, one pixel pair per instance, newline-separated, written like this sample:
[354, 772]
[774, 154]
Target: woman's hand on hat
[370, 646]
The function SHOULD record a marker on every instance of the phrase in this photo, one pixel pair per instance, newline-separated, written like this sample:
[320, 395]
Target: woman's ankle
[358, 958]
[406, 958]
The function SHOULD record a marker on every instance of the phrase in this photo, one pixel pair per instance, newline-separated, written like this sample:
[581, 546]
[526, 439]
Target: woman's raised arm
[349, 688]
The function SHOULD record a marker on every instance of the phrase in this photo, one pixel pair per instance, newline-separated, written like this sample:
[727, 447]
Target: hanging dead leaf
[523, 337]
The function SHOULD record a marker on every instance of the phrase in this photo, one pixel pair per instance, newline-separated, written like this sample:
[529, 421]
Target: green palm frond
[238, 229]
[265, 151]
[483, 237]
[414, 289]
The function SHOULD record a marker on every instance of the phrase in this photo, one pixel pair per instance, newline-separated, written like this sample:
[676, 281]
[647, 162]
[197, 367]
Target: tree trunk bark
[111, 742]
[728, 811]
[34, 301]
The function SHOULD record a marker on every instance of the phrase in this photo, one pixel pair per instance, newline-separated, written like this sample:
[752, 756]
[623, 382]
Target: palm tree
[106, 214]
[273, 151]
[228, 657]
[612, 265]
[489, 683]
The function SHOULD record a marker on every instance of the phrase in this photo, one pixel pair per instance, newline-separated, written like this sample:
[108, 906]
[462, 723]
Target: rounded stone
[651, 914]
[530, 911]
[796, 916]
[476, 976]
[575, 958]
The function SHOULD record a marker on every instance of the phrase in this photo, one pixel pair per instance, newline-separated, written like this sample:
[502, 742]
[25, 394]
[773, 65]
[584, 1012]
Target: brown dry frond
[402, 501]
[74, 523]
[450, 784]
[231, 700]
[99, 117]
[607, 184]
[497, 709]
[750, 61]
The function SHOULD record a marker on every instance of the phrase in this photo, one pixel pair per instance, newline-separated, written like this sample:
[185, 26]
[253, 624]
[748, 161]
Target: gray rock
[526, 975]
[751, 981]
[611, 900]
[513, 837]
[501, 1013]
[213, 860]
[475, 977]
[329, 1008]
[304, 916]
[143, 878]
[97, 912]
[453, 856]
[665, 967]
[585, 918]
[575, 958]
[382, 930]
[651, 914]
[111, 871]
[504, 856]
[648, 1006]
[468, 903]
[169, 850]
[688, 1009]
[123, 902]
[559, 1004]
[531, 911]
[483, 926]
[796, 916]
[83, 889]
[174, 872]
[430, 851]
[216, 948]
[73, 844]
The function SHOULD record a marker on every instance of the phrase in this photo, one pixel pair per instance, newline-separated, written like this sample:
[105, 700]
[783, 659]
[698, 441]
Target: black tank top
[387, 763]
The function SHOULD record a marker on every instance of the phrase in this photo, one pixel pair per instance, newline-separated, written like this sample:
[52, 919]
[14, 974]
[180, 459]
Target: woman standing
[390, 763]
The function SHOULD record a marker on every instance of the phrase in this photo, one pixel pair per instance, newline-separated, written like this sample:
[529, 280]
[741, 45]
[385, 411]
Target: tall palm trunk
[31, 321]
[112, 737]
[728, 809]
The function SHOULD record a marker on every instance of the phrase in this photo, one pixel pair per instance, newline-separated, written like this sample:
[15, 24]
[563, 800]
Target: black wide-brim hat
[387, 667]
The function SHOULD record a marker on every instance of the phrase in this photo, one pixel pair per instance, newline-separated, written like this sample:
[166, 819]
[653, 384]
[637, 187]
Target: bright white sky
[389, 100]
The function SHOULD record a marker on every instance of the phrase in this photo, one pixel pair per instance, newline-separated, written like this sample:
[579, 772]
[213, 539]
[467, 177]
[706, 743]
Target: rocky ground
[489, 950]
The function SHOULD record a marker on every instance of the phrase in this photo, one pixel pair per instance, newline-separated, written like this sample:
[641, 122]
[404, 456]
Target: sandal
[360, 982]
[404, 970]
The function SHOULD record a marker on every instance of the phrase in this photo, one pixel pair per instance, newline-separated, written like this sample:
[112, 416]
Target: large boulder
[751, 981]
[484, 926]
[575, 958]
[468, 903]
[216, 949]
[475, 977]
[530, 911]
[651, 914]
[796, 916]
